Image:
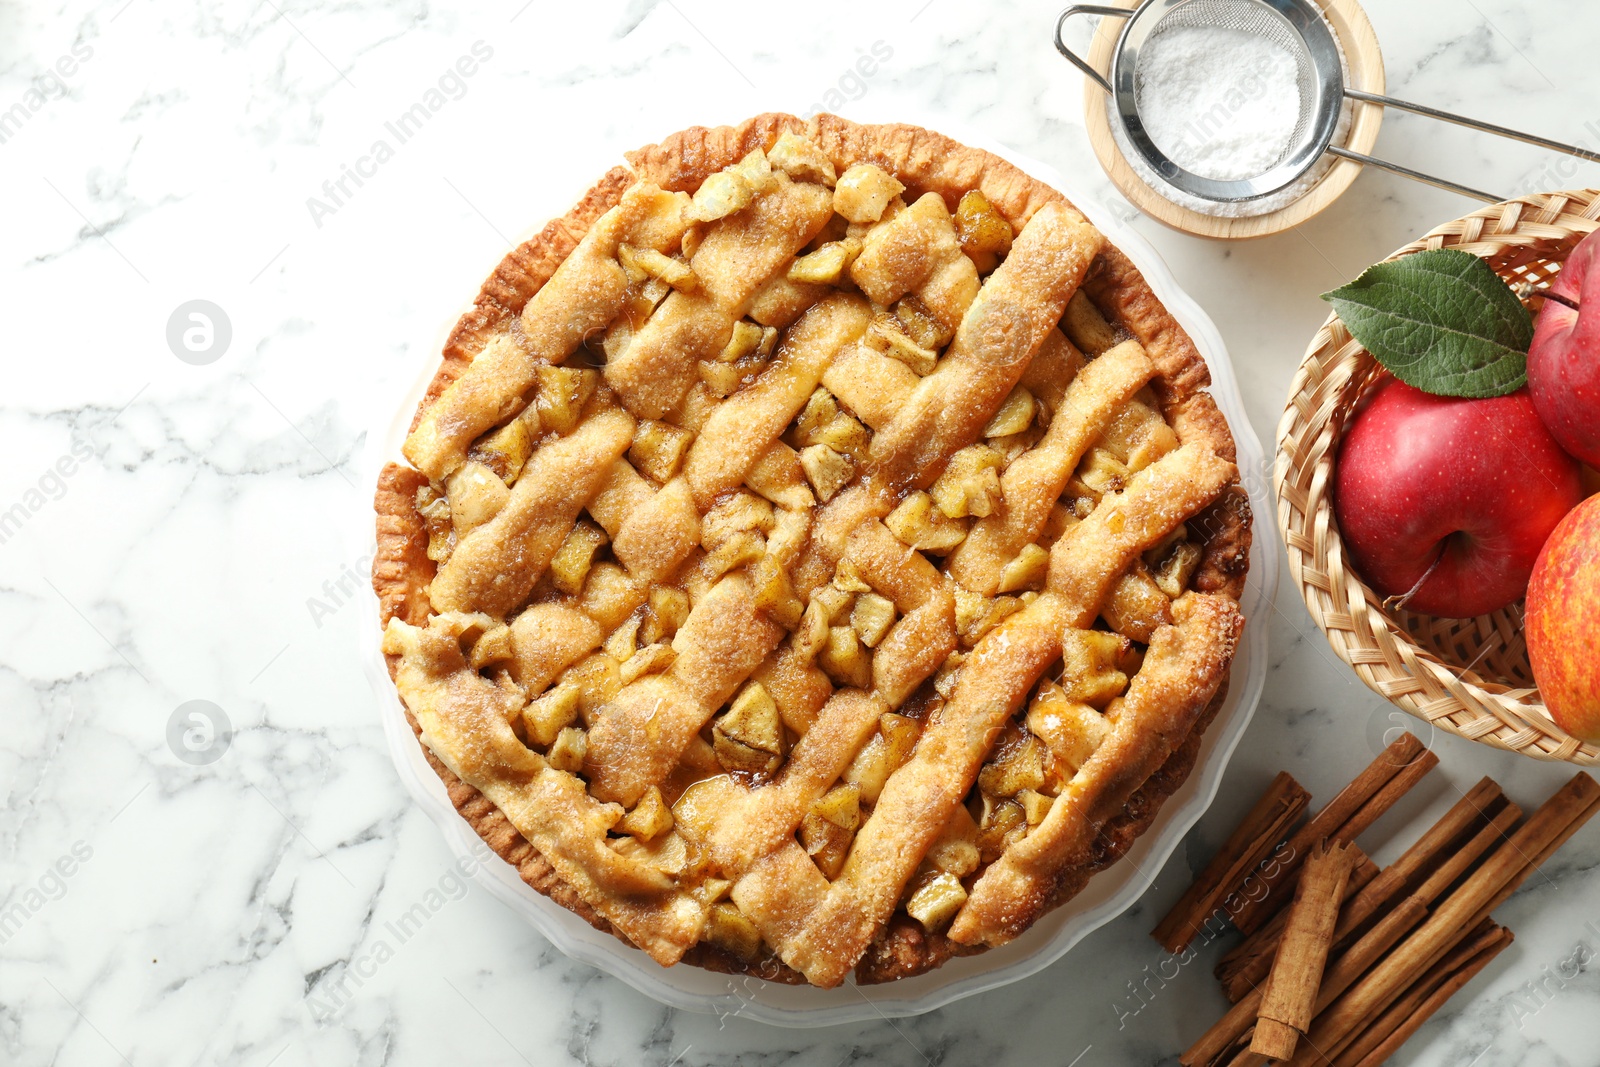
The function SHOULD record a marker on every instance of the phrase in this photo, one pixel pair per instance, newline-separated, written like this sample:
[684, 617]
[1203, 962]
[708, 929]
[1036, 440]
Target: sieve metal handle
[1459, 120]
[1474, 124]
[1073, 57]
[1415, 175]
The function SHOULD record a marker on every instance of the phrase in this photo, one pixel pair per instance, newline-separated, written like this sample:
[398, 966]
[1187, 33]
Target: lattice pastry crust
[817, 552]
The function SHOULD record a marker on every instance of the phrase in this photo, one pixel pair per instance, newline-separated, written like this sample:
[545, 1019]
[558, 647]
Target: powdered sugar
[1219, 102]
[1263, 205]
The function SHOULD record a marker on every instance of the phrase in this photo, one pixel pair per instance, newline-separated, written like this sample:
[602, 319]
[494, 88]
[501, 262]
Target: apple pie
[817, 552]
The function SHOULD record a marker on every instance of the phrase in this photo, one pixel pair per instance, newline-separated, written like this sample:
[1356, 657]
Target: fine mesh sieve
[1299, 29]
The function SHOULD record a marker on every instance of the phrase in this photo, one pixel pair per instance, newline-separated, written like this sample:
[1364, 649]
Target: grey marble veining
[201, 547]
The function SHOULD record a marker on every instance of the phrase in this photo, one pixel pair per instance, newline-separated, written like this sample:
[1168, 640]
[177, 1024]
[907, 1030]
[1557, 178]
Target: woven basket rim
[1387, 657]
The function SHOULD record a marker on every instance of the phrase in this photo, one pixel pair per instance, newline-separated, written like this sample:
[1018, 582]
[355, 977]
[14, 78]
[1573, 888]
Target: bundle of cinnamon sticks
[1343, 962]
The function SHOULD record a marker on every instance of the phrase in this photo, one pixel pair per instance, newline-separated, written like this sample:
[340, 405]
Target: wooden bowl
[1363, 70]
[1466, 676]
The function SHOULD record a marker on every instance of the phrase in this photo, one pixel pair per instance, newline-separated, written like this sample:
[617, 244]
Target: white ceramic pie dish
[1105, 897]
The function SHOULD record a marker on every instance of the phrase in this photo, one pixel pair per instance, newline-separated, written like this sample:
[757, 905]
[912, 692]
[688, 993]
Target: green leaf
[1440, 320]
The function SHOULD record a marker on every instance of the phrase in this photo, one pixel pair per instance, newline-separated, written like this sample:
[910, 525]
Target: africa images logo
[199, 332]
[199, 732]
[451, 85]
[28, 899]
[51, 85]
[50, 485]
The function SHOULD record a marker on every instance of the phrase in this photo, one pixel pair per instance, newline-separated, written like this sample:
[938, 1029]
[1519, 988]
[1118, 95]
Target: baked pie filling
[817, 552]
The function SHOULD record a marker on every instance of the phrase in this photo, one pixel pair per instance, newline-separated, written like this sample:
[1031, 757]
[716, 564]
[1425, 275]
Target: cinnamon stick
[1351, 965]
[1346, 968]
[1291, 992]
[1478, 805]
[1250, 914]
[1539, 859]
[1498, 877]
[1262, 829]
[1406, 1016]
[1246, 965]
[1399, 784]
[1460, 859]
[1243, 968]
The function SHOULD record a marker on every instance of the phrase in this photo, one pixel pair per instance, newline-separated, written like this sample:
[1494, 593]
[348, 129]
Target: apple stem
[1394, 603]
[1527, 291]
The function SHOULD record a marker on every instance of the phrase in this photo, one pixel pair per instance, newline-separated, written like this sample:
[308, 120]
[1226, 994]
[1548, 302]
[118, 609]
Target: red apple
[1563, 604]
[1564, 361]
[1450, 499]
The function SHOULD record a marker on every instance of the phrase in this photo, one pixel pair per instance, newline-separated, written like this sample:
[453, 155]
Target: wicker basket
[1468, 676]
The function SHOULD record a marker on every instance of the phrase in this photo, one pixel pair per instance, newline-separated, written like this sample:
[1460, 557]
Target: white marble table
[182, 532]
